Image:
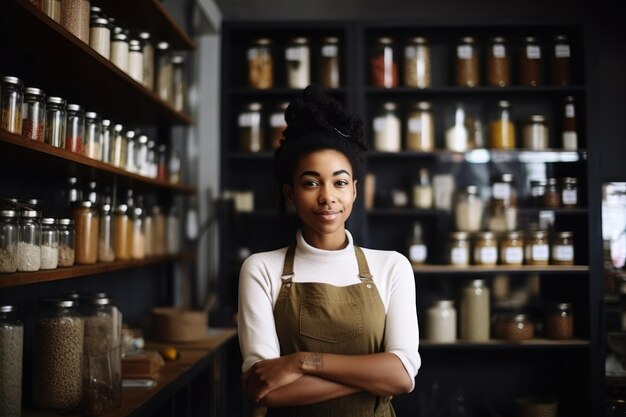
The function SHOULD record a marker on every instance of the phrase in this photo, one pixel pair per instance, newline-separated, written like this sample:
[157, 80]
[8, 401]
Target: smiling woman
[326, 328]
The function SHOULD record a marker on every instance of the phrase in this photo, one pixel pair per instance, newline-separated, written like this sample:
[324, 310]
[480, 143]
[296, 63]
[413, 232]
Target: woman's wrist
[310, 362]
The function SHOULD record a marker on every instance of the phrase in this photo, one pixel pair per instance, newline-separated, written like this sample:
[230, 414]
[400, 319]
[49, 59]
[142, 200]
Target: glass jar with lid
[11, 103]
[179, 85]
[141, 160]
[75, 18]
[569, 135]
[469, 210]
[148, 223]
[485, 249]
[29, 241]
[152, 159]
[530, 63]
[34, 113]
[423, 190]
[147, 49]
[457, 135]
[118, 147]
[58, 355]
[251, 134]
[420, 127]
[173, 167]
[12, 354]
[503, 204]
[502, 128]
[75, 128]
[100, 36]
[159, 232]
[173, 231]
[498, 63]
[329, 72]
[55, 122]
[514, 327]
[162, 163]
[474, 312]
[537, 248]
[560, 321]
[135, 60]
[52, 9]
[138, 234]
[105, 234]
[384, 64]
[8, 240]
[122, 232]
[49, 243]
[130, 151]
[560, 61]
[164, 72]
[278, 124]
[86, 226]
[120, 50]
[512, 249]
[93, 136]
[386, 127]
[537, 190]
[105, 140]
[260, 64]
[466, 63]
[551, 196]
[298, 63]
[569, 192]
[441, 322]
[417, 63]
[562, 249]
[459, 249]
[417, 250]
[535, 133]
[67, 242]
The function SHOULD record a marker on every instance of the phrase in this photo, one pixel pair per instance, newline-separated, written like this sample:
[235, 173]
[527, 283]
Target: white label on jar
[410, 52]
[415, 125]
[501, 191]
[278, 120]
[245, 120]
[417, 253]
[293, 54]
[563, 253]
[488, 255]
[252, 54]
[380, 123]
[513, 255]
[569, 110]
[330, 51]
[561, 51]
[499, 51]
[540, 252]
[570, 197]
[570, 141]
[464, 52]
[533, 52]
[459, 256]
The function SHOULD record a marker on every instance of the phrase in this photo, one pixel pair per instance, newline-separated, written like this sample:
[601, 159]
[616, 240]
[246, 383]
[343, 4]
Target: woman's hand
[268, 375]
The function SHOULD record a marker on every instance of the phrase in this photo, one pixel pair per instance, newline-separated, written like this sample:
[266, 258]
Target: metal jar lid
[263, 41]
[144, 35]
[537, 118]
[74, 107]
[300, 40]
[91, 115]
[8, 79]
[48, 220]
[134, 45]
[33, 91]
[467, 39]
[485, 235]
[390, 106]
[100, 21]
[459, 235]
[64, 221]
[385, 40]
[8, 213]
[31, 214]
[86, 204]
[55, 100]
[254, 106]
[9, 308]
[513, 235]
[163, 46]
[418, 40]
[565, 235]
[120, 37]
[142, 139]
[59, 302]
[423, 105]
[331, 39]
[498, 39]
[121, 208]
[530, 39]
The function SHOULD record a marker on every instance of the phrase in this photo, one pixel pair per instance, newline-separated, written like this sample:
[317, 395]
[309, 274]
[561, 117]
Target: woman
[326, 328]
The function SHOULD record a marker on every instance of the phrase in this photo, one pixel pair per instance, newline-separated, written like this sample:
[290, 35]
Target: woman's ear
[288, 193]
[354, 187]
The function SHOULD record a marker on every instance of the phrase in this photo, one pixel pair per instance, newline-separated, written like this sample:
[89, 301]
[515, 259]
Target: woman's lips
[328, 214]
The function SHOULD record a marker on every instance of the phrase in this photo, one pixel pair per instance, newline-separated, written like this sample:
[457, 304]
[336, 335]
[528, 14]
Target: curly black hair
[316, 121]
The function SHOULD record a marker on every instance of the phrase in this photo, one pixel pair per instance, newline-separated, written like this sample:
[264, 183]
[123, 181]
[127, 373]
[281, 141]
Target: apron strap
[288, 265]
[364, 270]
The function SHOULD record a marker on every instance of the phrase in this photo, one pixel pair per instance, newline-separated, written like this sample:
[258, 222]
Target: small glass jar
[148, 222]
[105, 234]
[162, 163]
[498, 63]
[384, 64]
[29, 241]
[560, 61]
[173, 167]
[12, 354]
[551, 196]
[105, 140]
[141, 156]
[441, 322]
[55, 122]
[179, 85]
[569, 135]
[138, 235]
[250, 128]
[52, 9]
[100, 36]
[530, 63]
[152, 159]
[420, 128]
[560, 321]
[147, 49]
[8, 241]
[569, 192]
[131, 146]
[329, 72]
[67, 242]
[122, 231]
[514, 327]
[485, 249]
[93, 136]
[75, 18]
[459, 249]
[49, 243]
[58, 355]
[417, 251]
[12, 101]
[417, 63]
[502, 129]
[298, 63]
[535, 133]
[120, 50]
[118, 147]
[135, 60]
[34, 113]
[278, 124]
[512, 249]
[562, 249]
[260, 64]
[386, 127]
[537, 248]
[469, 210]
[467, 68]
[75, 129]
[164, 72]
[86, 226]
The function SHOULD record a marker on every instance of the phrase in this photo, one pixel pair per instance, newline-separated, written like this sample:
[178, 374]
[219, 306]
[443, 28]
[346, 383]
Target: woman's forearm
[307, 389]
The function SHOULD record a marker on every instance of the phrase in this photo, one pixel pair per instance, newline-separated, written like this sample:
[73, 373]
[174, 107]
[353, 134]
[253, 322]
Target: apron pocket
[332, 323]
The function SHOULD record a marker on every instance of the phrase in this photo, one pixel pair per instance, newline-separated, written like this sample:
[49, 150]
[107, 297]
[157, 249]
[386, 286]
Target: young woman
[326, 328]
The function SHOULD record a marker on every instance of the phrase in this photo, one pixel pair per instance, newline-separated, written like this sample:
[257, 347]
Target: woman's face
[323, 192]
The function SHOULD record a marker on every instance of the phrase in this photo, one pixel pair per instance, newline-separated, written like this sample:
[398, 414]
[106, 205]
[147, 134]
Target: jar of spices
[141, 159]
[8, 241]
[49, 243]
[67, 241]
[75, 128]
[100, 36]
[93, 136]
[120, 50]
[551, 196]
[260, 64]
[135, 60]
[387, 129]
[423, 191]
[441, 322]
[147, 52]
[560, 61]
[250, 128]
[485, 249]
[86, 226]
[130, 152]
[12, 360]
[475, 312]
[502, 129]
[52, 9]
[530, 63]
[537, 250]
[417, 64]
[569, 134]
[278, 124]
[298, 63]
[12, 101]
[512, 249]
[384, 64]
[329, 72]
[122, 232]
[105, 234]
[498, 63]
[457, 135]
[173, 167]
[562, 249]
[469, 210]
[55, 122]
[569, 192]
[75, 18]
[138, 234]
[459, 249]
[560, 321]
[162, 163]
[514, 327]
[467, 63]
[420, 128]
[535, 133]
[105, 140]
[34, 114]
[118, 147]
[179, 85]
[58, 355]
[29, 241]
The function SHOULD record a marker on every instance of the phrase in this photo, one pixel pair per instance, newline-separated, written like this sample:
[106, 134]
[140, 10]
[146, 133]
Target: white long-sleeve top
[260, 282]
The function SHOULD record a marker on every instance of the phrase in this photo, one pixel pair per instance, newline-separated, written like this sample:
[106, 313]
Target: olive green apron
[323, 318]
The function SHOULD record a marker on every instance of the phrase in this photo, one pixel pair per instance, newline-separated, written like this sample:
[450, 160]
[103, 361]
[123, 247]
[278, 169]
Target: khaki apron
[323, 318]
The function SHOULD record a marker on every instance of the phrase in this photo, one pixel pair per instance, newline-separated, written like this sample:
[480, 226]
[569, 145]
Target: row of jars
[415, 130]
[297, 61]
[260, 130]
[414, 59]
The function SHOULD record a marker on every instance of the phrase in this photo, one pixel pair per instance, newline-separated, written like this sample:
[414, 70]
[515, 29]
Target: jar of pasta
[562, 248]
[530, 62]
[537, 248]
[502, 128]
[498, 63]
[417, 66]
[260, 64]
[467, 67]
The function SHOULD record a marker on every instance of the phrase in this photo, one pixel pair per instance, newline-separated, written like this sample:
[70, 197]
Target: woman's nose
[326, 195]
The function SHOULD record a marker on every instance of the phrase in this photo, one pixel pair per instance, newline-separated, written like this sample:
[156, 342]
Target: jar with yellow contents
[485, 249]
[502, 128]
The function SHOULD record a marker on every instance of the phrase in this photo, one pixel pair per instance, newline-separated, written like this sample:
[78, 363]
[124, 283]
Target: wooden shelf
[487, 155]
[23, 278]
[64, 162]
[482, 90]
[85, 78]
[408, 211]
[280, 91]
[499, 269]
[538, 343]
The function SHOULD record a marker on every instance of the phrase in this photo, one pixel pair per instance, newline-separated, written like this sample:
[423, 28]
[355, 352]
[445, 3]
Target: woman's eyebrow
[317, 174]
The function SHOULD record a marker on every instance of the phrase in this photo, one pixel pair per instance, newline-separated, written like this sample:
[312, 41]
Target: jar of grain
[560, 321]
[52, 8]
[562, 248]
[514, 327]
[386, 127]
[420, 128]
[417, 64]
[501, 128]
[329, 71]
[298, 63]
[122, 232]
[120, 51]
[67, 242]
[86, 226]
[383, 64]
[29, 241]
[49, 243]
[93, 136]
[560, 61]
[147, 50]
[459, 249]
[8, 240]
[512, 249]
[485, 249]
[75, 18]
[75, 129]
[537, 248]
[105, 234]
[475, 312]
[498, 63]
[535, 133]
[100, 36]
[260, 64]
[466, 62]
[11, 361]
[11, 103]
[441, 322]
[278, 124]
[530, 63]
[34, 114]
[138, 235]
[251, 134]
[58, 355]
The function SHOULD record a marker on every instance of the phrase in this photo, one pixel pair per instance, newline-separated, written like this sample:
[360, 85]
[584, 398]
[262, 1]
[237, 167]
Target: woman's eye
[309, 183]
[342, 183]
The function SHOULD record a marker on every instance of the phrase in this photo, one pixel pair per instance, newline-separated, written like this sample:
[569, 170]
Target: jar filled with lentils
[560, 321]
[514, 327]
[11, 361]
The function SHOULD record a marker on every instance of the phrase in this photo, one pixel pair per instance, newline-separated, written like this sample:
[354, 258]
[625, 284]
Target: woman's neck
[334, 241]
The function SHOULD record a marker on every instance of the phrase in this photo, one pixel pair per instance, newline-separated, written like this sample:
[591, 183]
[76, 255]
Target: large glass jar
[329, 72]
[118, 147]
[29, 241]
[260, 64]
[512, 249]
[100, 36]
[560, 61]
[179, 85]
[93, 136]
[49, 243]
[469, 210]
[420, 128]
[475, 312]
[535, 133]
[560, 321]
[441, 322]
[55, 122]
[485, 249]
[278, 124]
[164, 72]
[417, 65]
[459, 249]
[12, 101]
[75, 18]
[498, 63]
[386, 127]
[537, 248]
[122, 232]
[148, 59]
[501, 128]
[138, 235]
[384, 64]
[34, 114]
[251, 135]
[120, 51]
[52, 8]
[105, 235]
[75, 129]
[8, 240]
[569, 135]
[298, 63]
[135, 60]
[530, 63]
[562, 249]
[467, 64]
[11, 361]
[58, 355]
[86, 226]
[67, 241]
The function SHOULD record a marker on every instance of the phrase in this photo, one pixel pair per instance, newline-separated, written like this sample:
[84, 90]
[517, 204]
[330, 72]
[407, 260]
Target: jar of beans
[11, 360]
[514, 327]
[560, 321]
[34, 115]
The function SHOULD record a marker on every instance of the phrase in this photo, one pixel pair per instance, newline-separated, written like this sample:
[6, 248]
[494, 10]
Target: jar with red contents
[162, 163]
[75, 128]
[34, 114]
[384, 64]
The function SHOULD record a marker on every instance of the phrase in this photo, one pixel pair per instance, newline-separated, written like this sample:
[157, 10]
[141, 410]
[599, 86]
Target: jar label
[415, 125]
[278, 120]
[501, 191]
[459, 256]
[513, 255]
[569, 110]
[488, 255]
[499, 51]
[464, 52]
[561, 51]
[293, 54]
[380, 124]
[410, 52]
[249, 119]
[570, 141]
[330, 51]
[533, 52]
[417, 253]
[563, 253]
[540, 252]
[570, 197]
[253, 54]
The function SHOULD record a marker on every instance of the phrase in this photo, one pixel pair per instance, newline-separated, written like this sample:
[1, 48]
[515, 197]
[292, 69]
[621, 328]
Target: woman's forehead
[326, 160]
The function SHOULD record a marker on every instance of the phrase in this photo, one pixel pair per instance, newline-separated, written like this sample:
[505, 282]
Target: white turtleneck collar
[313, 254]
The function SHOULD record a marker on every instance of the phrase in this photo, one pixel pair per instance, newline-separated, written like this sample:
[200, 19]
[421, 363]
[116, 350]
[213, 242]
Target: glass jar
[551, 196]
[514, 327]
[67, 242]
[12, 101]
[120, 51]
[173, 232]
[86, 225]
[159, 232]
[501, 128]
[135, 60]
[75, 18]
[49, 243]
[106, 134]
[149, 233]
[298, 63]
[179, 85]
[162, 163]
[164, 72]
[485, 249]
[530, 63]
[34, 114]
[467, 69]
[75, 129]
[423, 191]
[503, 204]
[560, 61]
[459, 249]
[55, 122]
[420, 128]
[105, 234]
[52, 8]
[537, 190]
[457, 135]
[498, 63]
[130, 152]
[475, 312]
[512, 249]
[537, 248]
[173, 167]
[118, 147]
[469, 210]
[29, 241]
[11, 361]
[386, 126]
[569, 135]
[147, 51]
[417, 250]
[384, 64]
[141, 156]
[73, 192]
[8, 241]
[250, 128]
[122, 232]
[562, 249]
[138, 235]
[535, 133]
[278, 124]
[58, 355]
[260, 64]
[417, 63]
[152, 159]
[560, 321]
[569, 192]
[441, 322]
[93, 136]
[329, 72]
[100, 36]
